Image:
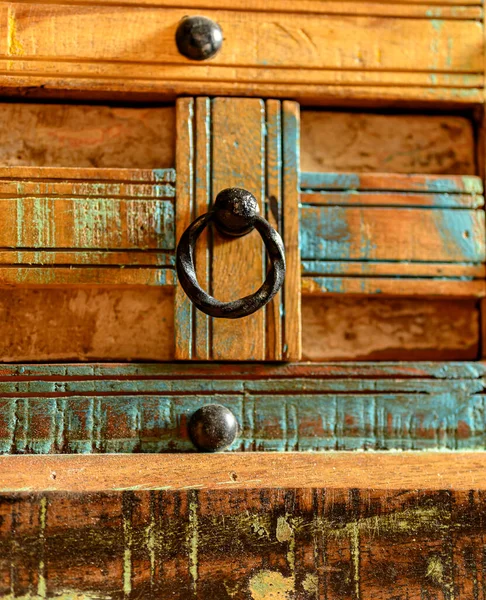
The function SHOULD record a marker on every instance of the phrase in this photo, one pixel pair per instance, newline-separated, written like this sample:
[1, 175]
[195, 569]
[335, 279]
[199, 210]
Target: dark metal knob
[235, 213]
[198, 38]
[213, 427]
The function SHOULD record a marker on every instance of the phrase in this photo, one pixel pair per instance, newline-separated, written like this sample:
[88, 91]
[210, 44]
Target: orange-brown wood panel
[250, 144]
[266, 52]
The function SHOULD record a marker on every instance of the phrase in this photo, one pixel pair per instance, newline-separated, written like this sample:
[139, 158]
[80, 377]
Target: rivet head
[213, 427]
[235, 210]
[198, 38]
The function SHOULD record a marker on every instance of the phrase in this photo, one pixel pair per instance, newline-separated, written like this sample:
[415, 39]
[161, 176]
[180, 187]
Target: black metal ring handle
[235, 213]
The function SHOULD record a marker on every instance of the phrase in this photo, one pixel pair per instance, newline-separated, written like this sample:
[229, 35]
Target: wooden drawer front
[87, 226]
[392, 234]
[339, 527]
[146, 408]
[323, 48]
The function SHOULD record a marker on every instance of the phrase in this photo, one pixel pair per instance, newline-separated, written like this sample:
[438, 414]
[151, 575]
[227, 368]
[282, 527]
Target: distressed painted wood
[275, 53]
[222, 143]
[377, 328]
[312, 527]
[72, 226]
[357, 228]
[386, 142]
[146, 408]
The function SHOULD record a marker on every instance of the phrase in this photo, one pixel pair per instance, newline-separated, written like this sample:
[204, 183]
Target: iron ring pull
[235, 213]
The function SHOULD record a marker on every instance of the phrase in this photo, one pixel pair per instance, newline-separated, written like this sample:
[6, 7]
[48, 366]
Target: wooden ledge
[379, 471]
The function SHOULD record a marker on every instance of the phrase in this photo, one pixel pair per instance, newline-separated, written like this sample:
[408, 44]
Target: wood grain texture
[146, 408]
[368, 142]
[87, 323]
[183, 309]
[285, 54]
[449, 9]
[292, 226]
[83, 136]
[459, 471]
[335, 544]
[273, 214]
[238, 146]
[356, 228]
[374, 328]
[227, 142]
[83, 226]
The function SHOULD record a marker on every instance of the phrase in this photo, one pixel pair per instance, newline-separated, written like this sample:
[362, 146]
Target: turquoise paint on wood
[400, 199]
[301, 407]
[440, 371]
[392, 182]
[288, 422]
[393, 234]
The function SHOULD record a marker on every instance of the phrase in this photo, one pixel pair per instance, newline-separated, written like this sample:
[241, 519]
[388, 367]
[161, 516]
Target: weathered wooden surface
[251, 144]
[81, 136]
[380, 143]
[396, 528]
[88, 323]
[72, 226]
[392, 234]
[146, 408]
[266, 51]
[375, 328]
[449, 9]
[459, 471]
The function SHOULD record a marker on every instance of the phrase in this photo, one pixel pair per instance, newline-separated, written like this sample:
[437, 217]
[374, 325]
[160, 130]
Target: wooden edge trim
[379, 471]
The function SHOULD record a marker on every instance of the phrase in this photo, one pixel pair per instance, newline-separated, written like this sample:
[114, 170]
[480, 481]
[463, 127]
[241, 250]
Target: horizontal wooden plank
[112, 258]
[371, 142]
[463, 271]
[449, 370]
[349, 233]
[334, 470]
[318, 421]
[64, 32]
[432, 9]
[90, 223]
[64, 226]
[174, 386]
[392, 182]
[299, 407]
[38, 276]
[391, 286]
[290, 54]
[87, 176]
[399, 199]
[332, 542]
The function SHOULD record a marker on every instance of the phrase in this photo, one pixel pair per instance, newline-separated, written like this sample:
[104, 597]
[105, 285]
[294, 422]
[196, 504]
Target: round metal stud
[198, 38]
[213, 427]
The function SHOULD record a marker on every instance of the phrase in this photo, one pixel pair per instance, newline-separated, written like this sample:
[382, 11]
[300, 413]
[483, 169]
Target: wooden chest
[324, 437]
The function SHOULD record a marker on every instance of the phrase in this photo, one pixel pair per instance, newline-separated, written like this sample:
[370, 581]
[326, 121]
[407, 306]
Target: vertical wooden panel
[238, 143]
[252, 144]
[291, 150]
[202, 186]
[273, 214]
[184, 215]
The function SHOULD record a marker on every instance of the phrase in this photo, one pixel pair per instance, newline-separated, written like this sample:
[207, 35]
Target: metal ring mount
[235, 213]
